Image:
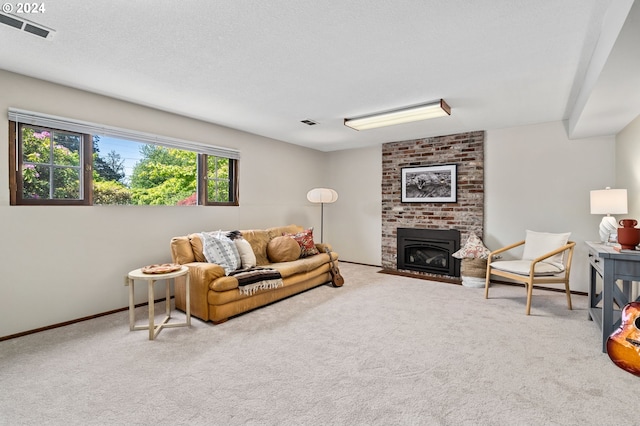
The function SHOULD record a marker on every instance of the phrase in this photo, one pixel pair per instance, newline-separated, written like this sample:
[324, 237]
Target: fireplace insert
[429, 250]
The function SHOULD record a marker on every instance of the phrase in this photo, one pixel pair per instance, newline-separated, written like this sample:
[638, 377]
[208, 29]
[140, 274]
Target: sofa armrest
[224, 284]
[201, 275]
[321, 247]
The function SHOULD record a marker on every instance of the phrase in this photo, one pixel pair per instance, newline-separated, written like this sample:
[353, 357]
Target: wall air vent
[27, 26]
[309, 122]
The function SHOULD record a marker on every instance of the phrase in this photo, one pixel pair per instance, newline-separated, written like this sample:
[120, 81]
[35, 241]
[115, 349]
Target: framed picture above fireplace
[429, 184]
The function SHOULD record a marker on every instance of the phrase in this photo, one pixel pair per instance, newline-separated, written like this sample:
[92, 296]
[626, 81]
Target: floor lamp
[322, 196]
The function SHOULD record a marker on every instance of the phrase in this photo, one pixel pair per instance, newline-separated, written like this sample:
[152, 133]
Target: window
[219, 175]
[50, 166]
[72, 166]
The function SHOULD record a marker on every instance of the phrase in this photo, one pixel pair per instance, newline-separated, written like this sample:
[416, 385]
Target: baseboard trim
[420, 276]
[73, 321]
[456, 281]
[556, 289]
[358, 263]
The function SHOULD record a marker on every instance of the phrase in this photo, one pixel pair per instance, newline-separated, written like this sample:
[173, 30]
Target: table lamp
[607, 202]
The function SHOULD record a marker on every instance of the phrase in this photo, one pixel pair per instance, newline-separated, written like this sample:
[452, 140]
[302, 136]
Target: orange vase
[628, 235]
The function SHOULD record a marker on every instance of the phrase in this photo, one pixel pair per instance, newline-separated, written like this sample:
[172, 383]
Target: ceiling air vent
[309, 122]
[27, 26]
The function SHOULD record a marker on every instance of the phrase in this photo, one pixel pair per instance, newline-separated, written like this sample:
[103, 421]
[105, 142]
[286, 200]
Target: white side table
[151, 279]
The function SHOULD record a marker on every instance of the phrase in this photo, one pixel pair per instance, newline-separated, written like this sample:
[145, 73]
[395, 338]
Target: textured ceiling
[263, 66]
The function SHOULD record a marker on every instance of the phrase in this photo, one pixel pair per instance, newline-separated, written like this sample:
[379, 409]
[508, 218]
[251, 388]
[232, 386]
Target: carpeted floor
[382, 350]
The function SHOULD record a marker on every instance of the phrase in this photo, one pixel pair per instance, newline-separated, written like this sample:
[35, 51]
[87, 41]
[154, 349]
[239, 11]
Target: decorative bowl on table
[161, 268]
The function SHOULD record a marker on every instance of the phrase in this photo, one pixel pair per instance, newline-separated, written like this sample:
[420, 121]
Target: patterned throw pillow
[305, 240]
[473, 249]
[219, 249]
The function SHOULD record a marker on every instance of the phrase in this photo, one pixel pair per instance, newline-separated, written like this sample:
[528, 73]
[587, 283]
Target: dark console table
[605, 307]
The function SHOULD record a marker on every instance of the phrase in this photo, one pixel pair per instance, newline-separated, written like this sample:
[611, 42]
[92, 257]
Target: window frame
[203, 178]
[16, 163]
[16, 182]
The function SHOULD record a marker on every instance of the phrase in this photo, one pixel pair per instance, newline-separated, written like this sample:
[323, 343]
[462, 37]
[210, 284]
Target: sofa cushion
[181, 251]
[247, 256]
[305, 240]
[283, 249]
[281, 230]
[302, 265]
[221, 250]
[258, 239]
[196, 246]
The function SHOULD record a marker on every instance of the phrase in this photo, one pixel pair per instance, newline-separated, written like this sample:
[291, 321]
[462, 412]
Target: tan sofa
[215, 296]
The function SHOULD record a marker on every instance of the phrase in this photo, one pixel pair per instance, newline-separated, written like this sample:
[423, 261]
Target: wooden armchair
[549, 267]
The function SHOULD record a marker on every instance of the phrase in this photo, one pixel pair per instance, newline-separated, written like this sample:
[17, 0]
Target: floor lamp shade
[322, 196]
[607, 202]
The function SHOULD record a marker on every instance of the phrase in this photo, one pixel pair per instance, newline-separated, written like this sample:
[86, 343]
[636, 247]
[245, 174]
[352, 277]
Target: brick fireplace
[466, 214]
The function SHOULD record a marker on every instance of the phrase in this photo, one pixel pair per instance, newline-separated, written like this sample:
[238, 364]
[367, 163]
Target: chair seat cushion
[522, 267]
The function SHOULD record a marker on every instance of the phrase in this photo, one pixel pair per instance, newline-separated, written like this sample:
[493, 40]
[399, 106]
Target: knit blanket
[257, 278]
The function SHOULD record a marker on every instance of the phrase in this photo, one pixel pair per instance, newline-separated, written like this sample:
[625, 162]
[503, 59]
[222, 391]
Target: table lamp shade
[609, 201]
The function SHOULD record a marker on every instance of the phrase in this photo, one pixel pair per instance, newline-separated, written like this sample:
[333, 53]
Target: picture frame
[430, 184]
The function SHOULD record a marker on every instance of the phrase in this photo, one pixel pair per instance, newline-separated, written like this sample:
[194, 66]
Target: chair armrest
[568, 246]
[503, 249]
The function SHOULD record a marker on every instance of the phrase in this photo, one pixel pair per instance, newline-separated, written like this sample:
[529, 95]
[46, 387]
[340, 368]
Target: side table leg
[132, 305]
[151, 311]
[167, 284]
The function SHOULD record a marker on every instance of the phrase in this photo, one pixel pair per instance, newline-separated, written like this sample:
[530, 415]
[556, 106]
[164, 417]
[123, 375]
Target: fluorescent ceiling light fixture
[399, 116]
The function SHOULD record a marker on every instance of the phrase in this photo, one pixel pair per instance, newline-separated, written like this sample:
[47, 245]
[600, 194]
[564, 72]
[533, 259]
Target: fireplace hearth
[429, 251]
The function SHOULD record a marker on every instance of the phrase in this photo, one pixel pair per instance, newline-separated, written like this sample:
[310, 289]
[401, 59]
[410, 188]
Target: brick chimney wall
[466, 150]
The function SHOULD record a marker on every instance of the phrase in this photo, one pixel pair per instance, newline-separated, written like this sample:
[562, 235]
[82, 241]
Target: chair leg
[529, 285]
[486, 283]
[566, 286]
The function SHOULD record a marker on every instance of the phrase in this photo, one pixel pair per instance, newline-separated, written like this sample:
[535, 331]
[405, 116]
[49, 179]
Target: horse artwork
[435, 184]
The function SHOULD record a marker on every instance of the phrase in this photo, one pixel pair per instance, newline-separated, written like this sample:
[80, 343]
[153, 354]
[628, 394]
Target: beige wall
[535, 178]
[353, 224]
[62, 263]
[628, 165]
[538, 179]
[628, 171]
